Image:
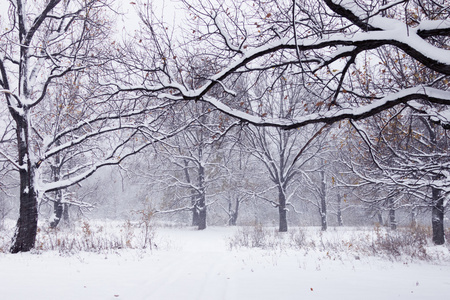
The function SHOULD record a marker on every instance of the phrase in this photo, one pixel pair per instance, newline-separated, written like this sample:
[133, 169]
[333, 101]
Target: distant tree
[282, 152]
[315, 189]
[408, 149]
[410, 158]
[193, 162]
[243, 179]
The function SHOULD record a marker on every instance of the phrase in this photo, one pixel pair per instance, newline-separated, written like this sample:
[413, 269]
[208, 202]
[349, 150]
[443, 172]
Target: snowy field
[189, 264]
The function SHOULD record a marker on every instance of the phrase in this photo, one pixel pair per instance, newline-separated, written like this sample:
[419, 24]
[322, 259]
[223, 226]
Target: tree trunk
[195, 214]
[233, 213]
[26, 229]
[283, 226]
[437, 217]
[380, 218]
[392, 219]
[233, 219]
[66, 216]
[202, 199]
[437, 211]
[60, 212]
[58, 208]
[339, 211]
[194, 201]
[202, 218]
[323, 201]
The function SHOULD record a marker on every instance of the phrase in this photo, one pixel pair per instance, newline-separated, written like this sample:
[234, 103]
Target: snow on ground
[191, 264]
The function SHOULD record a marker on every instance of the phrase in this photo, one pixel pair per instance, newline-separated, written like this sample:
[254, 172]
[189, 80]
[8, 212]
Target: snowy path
[197, 265]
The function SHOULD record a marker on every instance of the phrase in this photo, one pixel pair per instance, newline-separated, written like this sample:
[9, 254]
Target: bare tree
[243, 180]
[48, 45]
[305, 39]
[282, 152]
[194, 162]
[324, 43]
[406, 145]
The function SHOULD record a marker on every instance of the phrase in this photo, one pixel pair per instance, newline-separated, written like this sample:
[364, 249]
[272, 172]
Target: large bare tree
[52, 55]
[333, 46]
[322, 41]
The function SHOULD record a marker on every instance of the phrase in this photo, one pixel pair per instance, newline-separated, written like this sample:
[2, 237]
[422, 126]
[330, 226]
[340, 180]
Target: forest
[217, 149]
[279, 113]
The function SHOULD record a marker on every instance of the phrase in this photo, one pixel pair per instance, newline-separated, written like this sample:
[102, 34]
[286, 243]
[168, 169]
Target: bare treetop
[321, 42]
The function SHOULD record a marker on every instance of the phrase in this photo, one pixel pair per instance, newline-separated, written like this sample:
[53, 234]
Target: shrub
[409, 241]
[93, 237]
[257, 236]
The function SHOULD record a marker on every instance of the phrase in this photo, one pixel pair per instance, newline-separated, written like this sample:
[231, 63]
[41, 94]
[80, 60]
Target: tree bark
[392, 219]
[339, 211]
[202, 199]
[202, 218]
[283, 226]
[323, 201]
[195, 214]
[194, 201]
[437, 217]
[58, 206]
[233, 213]
[26, 229]
[58, 209]
[380, 218]
[66, 215]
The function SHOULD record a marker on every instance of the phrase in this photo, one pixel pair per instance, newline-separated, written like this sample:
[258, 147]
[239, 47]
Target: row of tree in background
[279, 102]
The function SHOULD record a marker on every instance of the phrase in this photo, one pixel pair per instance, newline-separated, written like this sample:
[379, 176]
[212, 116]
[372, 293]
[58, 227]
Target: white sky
[129, 21]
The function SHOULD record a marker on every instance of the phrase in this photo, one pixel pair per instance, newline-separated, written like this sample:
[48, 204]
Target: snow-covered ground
[191, 264]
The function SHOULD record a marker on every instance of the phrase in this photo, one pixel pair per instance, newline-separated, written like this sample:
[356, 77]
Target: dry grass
[404, 243]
